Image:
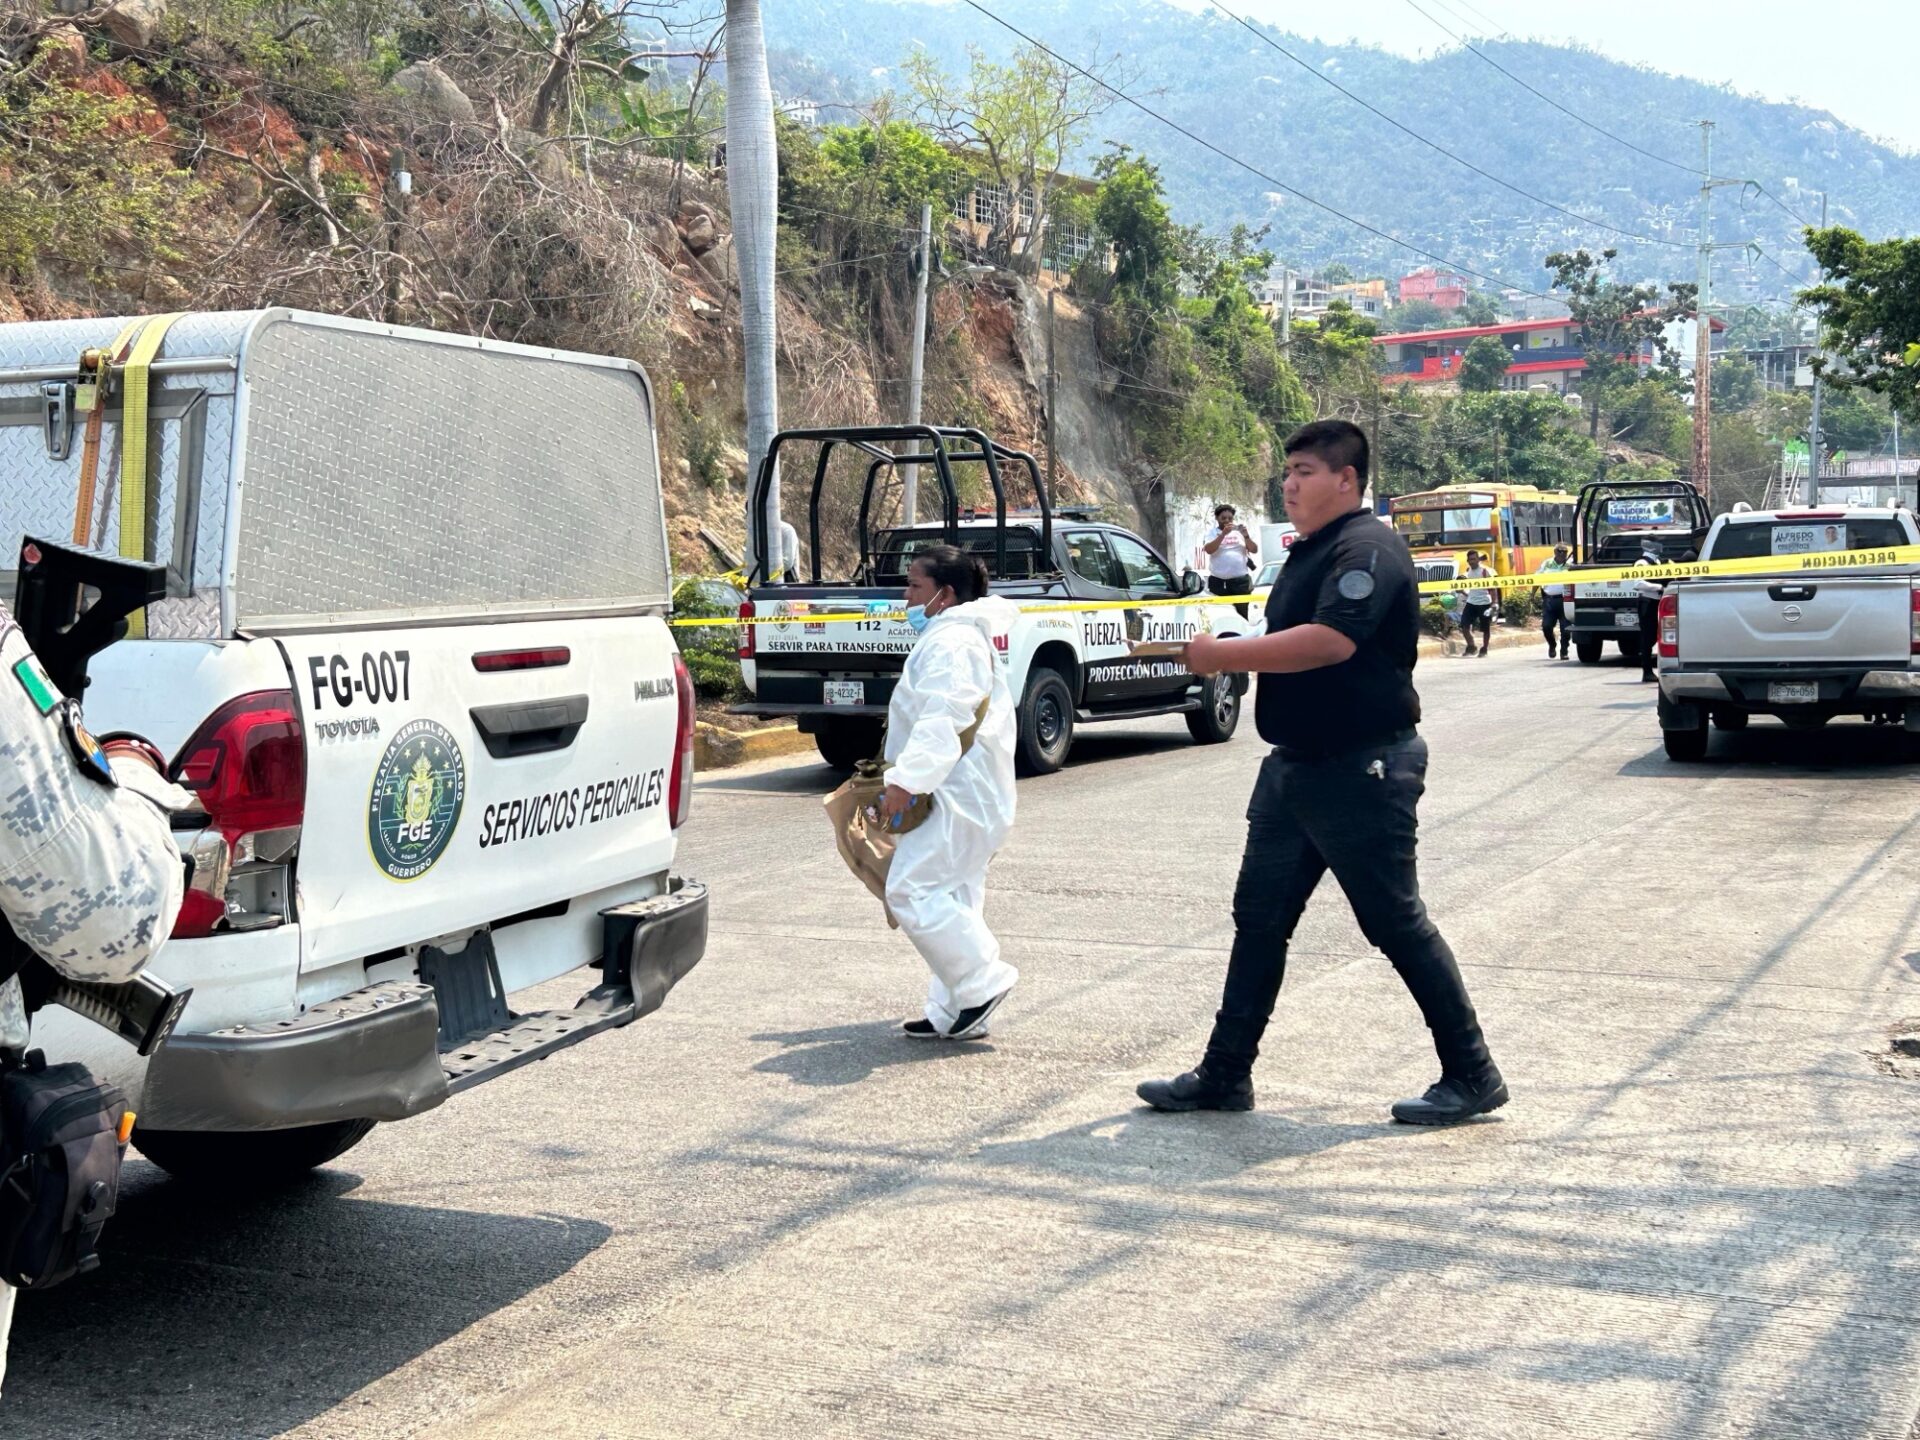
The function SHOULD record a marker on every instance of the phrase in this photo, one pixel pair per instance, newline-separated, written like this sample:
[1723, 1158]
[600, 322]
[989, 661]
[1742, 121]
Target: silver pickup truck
[1805, 647]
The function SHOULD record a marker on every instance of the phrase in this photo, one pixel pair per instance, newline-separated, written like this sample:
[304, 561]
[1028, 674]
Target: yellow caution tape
[133, 449]
[1814, 562]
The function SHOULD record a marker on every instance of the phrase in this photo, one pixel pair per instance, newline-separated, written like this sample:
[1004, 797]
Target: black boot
[1197, 1090]
[1452, 1100]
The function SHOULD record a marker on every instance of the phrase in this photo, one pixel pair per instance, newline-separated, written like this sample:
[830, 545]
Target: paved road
[759, 1214]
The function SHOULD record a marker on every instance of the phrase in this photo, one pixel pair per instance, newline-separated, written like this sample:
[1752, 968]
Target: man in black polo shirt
[1340, 790]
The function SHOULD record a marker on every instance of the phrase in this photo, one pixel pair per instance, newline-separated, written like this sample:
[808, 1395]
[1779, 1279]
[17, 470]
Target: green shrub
[711, 652]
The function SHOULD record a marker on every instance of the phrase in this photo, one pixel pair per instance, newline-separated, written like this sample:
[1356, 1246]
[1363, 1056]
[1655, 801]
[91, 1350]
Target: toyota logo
[1791, 614]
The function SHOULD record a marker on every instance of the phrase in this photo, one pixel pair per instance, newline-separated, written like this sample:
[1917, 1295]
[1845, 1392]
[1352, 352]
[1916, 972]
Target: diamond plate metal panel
[402, 473]
[31, 345]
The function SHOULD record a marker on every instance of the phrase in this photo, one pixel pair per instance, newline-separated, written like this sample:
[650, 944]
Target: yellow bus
[1514, 526]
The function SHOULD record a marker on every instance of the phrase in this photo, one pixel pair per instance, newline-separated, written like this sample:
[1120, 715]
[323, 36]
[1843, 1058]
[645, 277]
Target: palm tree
[752, 194]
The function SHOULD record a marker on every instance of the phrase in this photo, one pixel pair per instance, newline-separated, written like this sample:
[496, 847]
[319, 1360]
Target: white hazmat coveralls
[937, 883]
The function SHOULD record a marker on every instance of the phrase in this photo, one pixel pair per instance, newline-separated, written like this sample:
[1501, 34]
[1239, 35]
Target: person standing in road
[950, 734]
[1477, 612]
[1648, 593]
[1553, 608]
[1340, 790]
[1230, 551]
[90, 879]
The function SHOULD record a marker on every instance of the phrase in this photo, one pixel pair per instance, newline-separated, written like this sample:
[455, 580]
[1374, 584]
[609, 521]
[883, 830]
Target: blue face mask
[918, 618]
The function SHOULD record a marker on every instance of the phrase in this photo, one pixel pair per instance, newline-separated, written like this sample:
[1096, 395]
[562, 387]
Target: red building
[1545, 352]
[1447, 291]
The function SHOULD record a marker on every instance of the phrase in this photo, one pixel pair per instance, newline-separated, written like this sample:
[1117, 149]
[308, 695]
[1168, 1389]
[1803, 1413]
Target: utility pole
[1896, 461]
[1051, 490]
[910, 474]
[1286, 308]
[1813, 422]
[1703, 321]
[1703, 329]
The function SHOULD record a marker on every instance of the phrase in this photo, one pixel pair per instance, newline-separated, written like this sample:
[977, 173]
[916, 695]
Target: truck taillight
[1670, 627]
[746, 631]
[247, 765]
[680, 783]
[1915, 643]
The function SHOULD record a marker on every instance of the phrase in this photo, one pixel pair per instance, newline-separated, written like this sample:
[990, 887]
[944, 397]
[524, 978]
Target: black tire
[843, 744]
[1731, 719]
[1219, 713]
[1588, 650]
[252, 1159]
[1631, 647]
[1046, 723]
[1688, 745]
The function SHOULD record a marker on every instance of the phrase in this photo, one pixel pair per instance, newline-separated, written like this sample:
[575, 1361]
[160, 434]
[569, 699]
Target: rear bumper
[375, 1053]
[1685, 694]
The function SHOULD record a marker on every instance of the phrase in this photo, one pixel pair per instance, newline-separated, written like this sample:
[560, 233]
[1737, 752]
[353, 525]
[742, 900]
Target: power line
[1254, 170]
[1784, 206]
[1435, 146]
[1599, 129]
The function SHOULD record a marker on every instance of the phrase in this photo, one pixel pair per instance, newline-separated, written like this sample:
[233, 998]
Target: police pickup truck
[413, 665]
[1615, 524]
[1066, 667]
[1806, 645]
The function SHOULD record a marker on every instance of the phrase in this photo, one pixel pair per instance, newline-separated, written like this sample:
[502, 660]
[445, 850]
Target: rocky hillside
[179, 159]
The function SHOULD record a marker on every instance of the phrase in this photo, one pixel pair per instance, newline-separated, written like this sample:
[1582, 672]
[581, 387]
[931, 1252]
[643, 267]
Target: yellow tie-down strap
[90, 395]
[836, 612]
[133, 448]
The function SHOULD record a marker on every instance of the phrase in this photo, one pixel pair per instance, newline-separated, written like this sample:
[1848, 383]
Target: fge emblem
[415, 805]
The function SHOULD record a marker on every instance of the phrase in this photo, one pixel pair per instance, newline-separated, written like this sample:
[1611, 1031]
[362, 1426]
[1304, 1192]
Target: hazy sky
[1855, 58]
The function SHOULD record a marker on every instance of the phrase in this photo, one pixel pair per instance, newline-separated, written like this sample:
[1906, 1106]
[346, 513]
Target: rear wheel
[251, 1159]
[1686, 744]
[1630, 646]
[1588, 651]
[845, 743]
[1219, 713]
[1046, 723]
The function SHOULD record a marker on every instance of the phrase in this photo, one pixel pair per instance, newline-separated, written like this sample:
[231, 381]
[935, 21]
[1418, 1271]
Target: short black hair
[1339, 443]
[948, 566]
[1223, 506]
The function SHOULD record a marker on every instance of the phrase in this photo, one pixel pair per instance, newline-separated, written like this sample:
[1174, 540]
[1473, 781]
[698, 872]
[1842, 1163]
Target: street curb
[1433, 648]
[717, 748]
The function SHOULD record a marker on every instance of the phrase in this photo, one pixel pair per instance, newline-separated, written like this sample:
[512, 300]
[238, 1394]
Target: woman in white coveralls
[937, 885]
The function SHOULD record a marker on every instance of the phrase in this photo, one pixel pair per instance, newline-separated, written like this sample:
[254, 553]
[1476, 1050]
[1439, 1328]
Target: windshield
[1750, 540]
[1453, 525]
[896, 549]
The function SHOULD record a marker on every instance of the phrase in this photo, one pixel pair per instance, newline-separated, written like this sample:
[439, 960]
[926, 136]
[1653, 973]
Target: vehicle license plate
[1789, 692]
[1626, 619]
[846, 692]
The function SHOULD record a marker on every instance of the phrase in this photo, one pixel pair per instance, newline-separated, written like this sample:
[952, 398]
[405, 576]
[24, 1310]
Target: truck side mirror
[1191, 583]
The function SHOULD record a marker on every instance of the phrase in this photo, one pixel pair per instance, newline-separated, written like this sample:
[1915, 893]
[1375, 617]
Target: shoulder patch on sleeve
[86, 750]
[1355, 585]
[33, 679]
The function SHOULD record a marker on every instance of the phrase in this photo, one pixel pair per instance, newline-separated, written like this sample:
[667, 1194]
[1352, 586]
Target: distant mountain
[1209, 74]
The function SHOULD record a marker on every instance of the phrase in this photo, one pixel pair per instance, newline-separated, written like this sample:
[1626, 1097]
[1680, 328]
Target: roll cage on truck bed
[1616, 520]
[835, 679]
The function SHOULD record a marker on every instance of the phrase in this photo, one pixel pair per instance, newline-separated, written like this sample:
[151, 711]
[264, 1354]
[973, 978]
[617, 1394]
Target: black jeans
[1649, 635]
[1237, 585]
[1553, 612]
[1311, 816]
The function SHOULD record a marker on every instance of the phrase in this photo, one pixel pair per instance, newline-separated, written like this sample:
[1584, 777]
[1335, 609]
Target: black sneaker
[920, 1030]
[971, 1023]
[1197, 1090]
[1451, 1100]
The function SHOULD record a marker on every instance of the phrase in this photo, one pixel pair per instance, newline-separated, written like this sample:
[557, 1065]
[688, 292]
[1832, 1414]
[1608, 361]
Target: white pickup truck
[1805, 645]
[1069, 667]
[413, 664]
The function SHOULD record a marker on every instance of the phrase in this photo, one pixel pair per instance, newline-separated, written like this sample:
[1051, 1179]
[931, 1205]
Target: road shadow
[175, 1335]
[848, 1054]
[805, 776]
[1770, 752]
[1179, 1151]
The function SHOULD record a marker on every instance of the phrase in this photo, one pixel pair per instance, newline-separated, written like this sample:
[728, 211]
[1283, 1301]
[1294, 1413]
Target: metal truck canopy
[307, 470]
